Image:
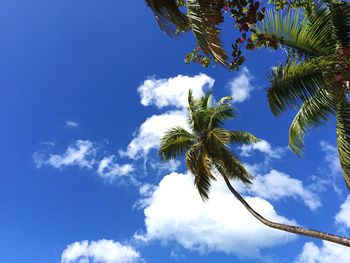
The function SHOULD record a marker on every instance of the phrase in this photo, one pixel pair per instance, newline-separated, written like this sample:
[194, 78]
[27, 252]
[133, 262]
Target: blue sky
[87, 89]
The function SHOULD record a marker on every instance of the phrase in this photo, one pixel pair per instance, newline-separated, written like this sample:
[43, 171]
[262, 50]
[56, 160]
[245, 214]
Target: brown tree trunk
[288, 228]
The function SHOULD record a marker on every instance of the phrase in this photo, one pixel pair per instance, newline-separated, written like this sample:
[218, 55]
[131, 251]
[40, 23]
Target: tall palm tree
[207, 150]
[316, 76]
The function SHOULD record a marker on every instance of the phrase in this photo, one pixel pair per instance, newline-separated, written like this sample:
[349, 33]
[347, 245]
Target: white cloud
[102, 251]
[175, 212]
[331, 157]
[263, 147]
[81, 154]
[241, 86]
[109, 169]
[173, 91]
[72, 124]
[343, 216]
[327, 253]
[276, 185]
[151, 131]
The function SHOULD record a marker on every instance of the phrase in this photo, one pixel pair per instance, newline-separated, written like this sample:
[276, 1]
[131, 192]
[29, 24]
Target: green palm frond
[343, 137]
[340, 15]
[243, 137]
[204, 16]
[221, 112]
[175, 142]
[310, 37]
[294, 83]
[170, 19]
[230, 166]
[314, 112]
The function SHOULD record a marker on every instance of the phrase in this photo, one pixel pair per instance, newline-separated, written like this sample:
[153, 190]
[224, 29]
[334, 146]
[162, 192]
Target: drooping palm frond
[340, 15]
[204, 16]
[309, 37]
[242, 137]
[294, 83]
[175, 142]
[170, 19]
[343, 137]
[230, 166]
[314, 112]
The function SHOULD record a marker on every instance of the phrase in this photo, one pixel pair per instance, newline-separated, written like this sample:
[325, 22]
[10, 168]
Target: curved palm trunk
[288, 228]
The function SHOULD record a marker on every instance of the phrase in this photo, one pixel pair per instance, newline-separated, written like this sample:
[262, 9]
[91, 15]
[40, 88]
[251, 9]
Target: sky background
[87, 88]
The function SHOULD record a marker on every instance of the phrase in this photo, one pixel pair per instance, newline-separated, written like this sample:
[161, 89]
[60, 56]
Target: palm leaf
[175, 142]
[294, 83]
[170, 19]
[340, 15]
[243, 137]
[314, 112]
[204, 16]
[343, 137]
[310, 37]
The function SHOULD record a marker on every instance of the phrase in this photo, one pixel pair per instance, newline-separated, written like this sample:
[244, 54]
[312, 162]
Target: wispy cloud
[81, 154]
[72, 124]
[104, 251]
[108, 168]
[241, 86]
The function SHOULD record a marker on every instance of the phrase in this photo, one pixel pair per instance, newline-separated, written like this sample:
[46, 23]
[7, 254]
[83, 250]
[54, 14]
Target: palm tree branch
[175, 142]
[296, 82]
[170, 19]
[314, 112]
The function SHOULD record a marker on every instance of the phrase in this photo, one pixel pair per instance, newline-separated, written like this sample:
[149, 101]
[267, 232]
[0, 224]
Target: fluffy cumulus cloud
[174, 211]
[263, 147]
[343, 216]
[173, 91]
[327, 253]
[276, 185]
[109, 169]
[102, 251]
[81, 154]
[241, 86]
[151, 131]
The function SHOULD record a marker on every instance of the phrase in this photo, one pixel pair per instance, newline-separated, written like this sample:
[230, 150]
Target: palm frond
[175, 142]
[204, 16]
[243, 137]
[314, 112]
[340, 15]
[309, 37]
[343, 137]
[294, 83]
[170, 19]
[221, 112]
[229, 165]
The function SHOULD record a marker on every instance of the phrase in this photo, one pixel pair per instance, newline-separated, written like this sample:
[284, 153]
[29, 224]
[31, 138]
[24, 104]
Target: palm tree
[316, 76]
[207, 150]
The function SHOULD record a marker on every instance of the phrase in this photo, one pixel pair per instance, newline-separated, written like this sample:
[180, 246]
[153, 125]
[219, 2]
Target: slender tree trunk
[288, 228]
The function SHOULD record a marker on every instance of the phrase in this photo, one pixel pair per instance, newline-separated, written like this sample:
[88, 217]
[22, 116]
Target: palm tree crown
[207, 145]
[316, 77]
